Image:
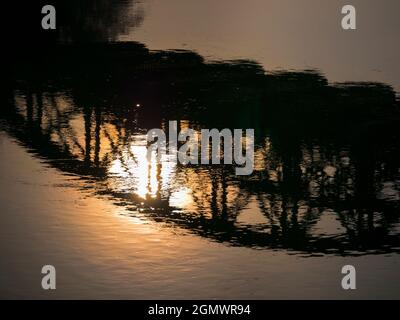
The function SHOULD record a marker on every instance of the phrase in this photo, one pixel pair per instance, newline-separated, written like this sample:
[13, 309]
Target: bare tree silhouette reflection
[322, 151]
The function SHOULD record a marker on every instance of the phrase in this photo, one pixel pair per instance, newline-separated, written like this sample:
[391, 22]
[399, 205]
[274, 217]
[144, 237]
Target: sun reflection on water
[297, 197]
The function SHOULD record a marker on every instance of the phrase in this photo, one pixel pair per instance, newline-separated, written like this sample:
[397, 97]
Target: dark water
[326, 183]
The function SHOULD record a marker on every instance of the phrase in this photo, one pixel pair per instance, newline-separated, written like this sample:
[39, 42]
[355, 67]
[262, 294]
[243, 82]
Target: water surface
[78, 191]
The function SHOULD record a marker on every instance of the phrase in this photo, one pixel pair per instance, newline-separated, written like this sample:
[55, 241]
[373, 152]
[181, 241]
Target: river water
[78, 192]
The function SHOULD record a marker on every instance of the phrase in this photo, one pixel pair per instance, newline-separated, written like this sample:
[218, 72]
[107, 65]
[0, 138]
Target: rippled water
[79, 192]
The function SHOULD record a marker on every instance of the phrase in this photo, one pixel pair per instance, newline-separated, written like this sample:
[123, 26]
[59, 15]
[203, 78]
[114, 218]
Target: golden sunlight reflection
[182, 198]
[132, 170]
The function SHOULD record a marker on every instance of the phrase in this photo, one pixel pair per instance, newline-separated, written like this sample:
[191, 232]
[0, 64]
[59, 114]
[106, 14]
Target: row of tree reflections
[326, 177]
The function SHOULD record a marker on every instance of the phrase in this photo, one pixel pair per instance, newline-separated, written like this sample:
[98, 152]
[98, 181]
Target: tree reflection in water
[326, 177]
